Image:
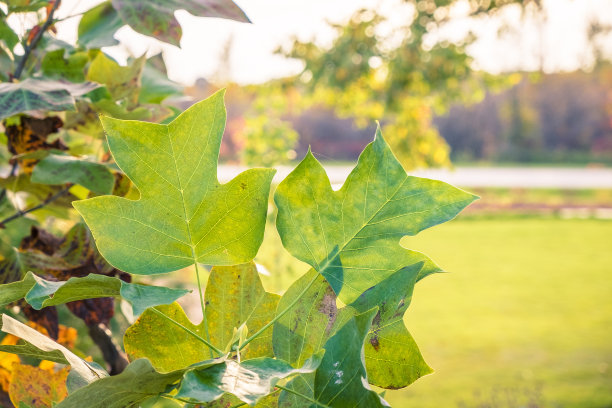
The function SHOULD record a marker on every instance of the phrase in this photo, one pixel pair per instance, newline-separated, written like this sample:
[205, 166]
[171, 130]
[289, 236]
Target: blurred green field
[524, 319]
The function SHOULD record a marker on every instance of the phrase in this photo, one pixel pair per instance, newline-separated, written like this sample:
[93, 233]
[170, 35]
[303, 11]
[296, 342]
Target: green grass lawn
[523, 319]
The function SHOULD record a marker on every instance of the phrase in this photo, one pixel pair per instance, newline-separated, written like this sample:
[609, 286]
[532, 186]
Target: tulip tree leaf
[120, 81]
[351, 236]
[341, 379]
[33, 95]
[37, 387]
[183, 215]
[40, 293]
[175, 350]
[234, 296]
[56, 169]
[156, 19]
[304, 329]
[392, 358]
[54, 64]
[137, 383]
[250, 380]
[82, 372]
[98, 26]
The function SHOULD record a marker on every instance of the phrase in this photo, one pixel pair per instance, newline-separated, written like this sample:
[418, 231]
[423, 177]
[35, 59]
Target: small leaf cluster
[336, 331]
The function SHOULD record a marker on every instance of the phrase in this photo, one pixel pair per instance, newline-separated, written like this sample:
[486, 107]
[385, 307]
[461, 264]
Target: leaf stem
[194, 334]
[28, 48]
[204, 320]
[279, 315]
[49, 200]
[314, 401]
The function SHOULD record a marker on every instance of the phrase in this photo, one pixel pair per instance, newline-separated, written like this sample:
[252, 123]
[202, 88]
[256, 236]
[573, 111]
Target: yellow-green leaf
[184, 215]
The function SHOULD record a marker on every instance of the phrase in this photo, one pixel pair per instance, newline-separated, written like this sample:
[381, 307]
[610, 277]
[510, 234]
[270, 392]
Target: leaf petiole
[278, 316]
[289, 390]
[194, 334]
[197, 270]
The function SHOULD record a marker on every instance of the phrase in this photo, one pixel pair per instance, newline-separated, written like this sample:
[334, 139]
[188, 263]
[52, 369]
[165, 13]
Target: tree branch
[28, 48]
[116, 359]
[48, 201]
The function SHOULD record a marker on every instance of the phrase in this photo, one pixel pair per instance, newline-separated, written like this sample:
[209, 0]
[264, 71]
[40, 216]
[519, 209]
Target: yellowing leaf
[37, 387]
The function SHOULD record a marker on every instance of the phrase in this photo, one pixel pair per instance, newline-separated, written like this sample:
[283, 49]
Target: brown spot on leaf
[374, 342]
[328, 307]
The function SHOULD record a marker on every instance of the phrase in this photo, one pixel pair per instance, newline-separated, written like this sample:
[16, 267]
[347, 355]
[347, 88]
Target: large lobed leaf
[341, 379]
[234, 296]
[184, 215]
[351, 236]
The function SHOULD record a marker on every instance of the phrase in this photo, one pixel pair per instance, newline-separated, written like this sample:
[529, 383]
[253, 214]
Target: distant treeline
[560, 118]
[565, 117]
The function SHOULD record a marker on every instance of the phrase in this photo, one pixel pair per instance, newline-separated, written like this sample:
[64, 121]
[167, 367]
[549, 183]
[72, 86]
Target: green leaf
[40, 293]
[351, 236]
[138, 382]
[302, 384]
[392, 358]
[15, 291]
[57, 169]
[341, 379]
[28, 350]
[33, 95]
[98, 26]
[156, 19]
[121, 81]
[183, 215]
[54, 65]
[82, 372]
[235, 296]
[304, 329]
[175, 350]
[7, 35]
[250, 380]
[22, 6]
[155, 85]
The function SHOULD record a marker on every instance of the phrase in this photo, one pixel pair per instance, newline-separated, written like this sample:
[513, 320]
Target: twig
[48, 201]
[101, 335]
[28, 48]
[11, 174]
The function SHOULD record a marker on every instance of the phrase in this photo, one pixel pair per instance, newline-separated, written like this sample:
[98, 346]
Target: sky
[275, 22]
